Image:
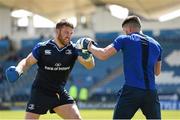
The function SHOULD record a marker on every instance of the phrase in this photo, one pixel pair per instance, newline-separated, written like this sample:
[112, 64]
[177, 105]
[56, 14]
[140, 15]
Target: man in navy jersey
[55, 59]
[142, 61]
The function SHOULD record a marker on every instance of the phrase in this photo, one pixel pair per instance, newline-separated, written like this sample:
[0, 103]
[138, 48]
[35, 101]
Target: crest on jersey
[31, 106]
[47, 52]
[68, 52]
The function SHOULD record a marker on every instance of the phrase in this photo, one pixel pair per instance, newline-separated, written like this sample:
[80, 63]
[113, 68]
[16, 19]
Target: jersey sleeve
[76, 51]
[36, 51]
[118, 42]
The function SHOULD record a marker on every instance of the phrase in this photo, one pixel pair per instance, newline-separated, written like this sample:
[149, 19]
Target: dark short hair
[132, 19]
[64, 22]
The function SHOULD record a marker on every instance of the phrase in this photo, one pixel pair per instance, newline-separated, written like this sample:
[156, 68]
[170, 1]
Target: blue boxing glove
[83, 43]
[12, 74]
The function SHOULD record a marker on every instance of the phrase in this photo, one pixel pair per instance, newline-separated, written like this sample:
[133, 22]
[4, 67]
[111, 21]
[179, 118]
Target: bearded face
[64, 35]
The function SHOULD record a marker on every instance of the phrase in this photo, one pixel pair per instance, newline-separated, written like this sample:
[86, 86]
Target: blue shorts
[131, 99]
[40, 102]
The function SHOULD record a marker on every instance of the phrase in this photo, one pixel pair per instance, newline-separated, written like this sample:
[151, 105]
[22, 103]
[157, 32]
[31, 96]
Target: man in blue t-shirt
[55, 59]
[142, 61]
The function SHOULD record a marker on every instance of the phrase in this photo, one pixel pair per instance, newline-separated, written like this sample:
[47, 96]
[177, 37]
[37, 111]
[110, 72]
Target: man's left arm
[157, 67]
[86, 59]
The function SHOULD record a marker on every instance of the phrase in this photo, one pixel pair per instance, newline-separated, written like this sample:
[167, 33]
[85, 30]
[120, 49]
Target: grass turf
[87, 114]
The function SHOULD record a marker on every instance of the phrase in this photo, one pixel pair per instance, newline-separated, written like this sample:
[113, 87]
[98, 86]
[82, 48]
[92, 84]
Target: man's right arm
[157, 68]
[13, 73]
[102, 53]
[26, 63]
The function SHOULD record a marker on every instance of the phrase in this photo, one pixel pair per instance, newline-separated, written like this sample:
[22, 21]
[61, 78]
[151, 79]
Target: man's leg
[128, 103]
[124, 110]
[68, 111]
[31, 116]
[151, 106]
[37, 105]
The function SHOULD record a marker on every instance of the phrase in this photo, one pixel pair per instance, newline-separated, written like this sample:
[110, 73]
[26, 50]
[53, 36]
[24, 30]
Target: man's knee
[77, 116]
[31, 116]
[68, 111]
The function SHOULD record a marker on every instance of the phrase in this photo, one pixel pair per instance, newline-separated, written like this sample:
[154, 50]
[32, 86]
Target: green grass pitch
[87, 114]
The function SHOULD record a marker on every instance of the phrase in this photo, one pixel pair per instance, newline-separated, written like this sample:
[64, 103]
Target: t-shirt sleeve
[118, 43]
[36, 51]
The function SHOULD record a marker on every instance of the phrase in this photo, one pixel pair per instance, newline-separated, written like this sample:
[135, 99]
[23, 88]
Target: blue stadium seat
[4, 47]
[170, 34]
[27, 46]
[106, 36]
[29, 43]
[148, 32]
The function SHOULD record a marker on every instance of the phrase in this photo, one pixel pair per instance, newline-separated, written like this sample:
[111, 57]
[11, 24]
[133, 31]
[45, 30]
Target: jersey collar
[134, 33]
[57, 47]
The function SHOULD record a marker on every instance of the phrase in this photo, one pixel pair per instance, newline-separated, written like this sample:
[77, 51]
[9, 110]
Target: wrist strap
[20, 72]
[91, 58]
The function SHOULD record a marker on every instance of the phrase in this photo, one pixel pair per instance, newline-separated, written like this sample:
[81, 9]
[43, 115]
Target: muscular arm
[87, 64]
[102, 53]
[26, 63]
[157, 68]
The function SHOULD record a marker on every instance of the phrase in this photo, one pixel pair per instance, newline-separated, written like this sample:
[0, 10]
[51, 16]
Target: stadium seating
[170, 34]
[106, 36]
[166, 82]
[148, 32]
[4, 47]
[27, 46]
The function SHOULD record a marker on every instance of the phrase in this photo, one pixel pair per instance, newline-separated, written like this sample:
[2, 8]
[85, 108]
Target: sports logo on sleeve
[47, 52]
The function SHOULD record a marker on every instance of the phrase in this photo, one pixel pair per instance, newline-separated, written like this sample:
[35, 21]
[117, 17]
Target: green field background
[88, 114]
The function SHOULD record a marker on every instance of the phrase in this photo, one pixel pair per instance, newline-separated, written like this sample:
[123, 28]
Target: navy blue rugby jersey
[140, 54]
[54, 64]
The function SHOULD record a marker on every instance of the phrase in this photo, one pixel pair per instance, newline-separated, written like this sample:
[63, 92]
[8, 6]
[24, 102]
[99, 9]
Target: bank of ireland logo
[47, 52]
[58, 64]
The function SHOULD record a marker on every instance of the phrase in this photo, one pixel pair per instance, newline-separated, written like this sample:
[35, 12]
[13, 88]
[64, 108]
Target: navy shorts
[131, 99]
[40, 102]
